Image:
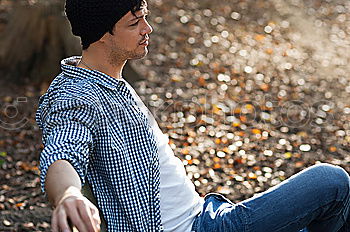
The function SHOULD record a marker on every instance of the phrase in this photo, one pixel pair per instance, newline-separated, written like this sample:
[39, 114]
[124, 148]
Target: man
[96, 130]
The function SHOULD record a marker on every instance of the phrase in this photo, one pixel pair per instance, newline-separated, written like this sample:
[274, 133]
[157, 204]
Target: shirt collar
[70, 69]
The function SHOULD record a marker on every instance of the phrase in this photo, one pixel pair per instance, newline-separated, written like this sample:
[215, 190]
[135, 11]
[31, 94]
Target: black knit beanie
[91, 19]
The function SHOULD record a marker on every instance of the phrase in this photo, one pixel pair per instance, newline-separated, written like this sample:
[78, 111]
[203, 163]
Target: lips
[144, 41]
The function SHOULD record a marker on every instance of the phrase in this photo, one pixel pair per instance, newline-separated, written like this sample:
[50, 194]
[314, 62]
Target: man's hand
[73, 209]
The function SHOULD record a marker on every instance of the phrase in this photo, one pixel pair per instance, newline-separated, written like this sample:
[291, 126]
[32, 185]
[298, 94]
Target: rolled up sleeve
[68, 127]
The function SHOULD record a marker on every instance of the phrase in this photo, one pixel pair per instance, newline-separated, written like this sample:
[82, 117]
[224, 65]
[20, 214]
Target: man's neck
[101, 64]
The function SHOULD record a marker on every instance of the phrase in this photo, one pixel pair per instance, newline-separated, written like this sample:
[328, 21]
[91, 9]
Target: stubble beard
[120, 55]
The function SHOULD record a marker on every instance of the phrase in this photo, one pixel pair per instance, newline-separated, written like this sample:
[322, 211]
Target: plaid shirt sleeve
[67, 134]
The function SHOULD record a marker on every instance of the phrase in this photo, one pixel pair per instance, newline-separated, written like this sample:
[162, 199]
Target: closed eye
[134, 24]
[142, 17]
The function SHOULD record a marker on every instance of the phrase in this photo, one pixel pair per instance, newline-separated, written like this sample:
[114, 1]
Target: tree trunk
[35, 39]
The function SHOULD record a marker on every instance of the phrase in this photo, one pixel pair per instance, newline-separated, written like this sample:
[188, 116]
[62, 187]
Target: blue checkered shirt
[91, 120]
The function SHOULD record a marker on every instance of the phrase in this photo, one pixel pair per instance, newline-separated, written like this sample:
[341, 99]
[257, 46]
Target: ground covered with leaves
[250, 92]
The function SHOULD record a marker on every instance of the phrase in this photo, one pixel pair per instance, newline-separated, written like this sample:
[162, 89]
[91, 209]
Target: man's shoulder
[65, 88]
[68, 93]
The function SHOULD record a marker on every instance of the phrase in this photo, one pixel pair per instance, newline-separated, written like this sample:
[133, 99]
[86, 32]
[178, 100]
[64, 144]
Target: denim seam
[247, 218]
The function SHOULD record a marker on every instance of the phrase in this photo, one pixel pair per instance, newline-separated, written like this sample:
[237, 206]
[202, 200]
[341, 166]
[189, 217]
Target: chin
[139, 55]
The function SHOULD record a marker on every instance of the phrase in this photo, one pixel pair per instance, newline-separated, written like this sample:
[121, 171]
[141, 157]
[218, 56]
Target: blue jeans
[316, 199]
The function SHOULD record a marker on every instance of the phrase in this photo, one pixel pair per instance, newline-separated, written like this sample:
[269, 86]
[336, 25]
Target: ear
[108, 36]
[105, 38]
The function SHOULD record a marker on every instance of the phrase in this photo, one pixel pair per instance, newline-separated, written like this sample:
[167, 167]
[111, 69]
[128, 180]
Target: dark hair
[139, 6]
[98, 17]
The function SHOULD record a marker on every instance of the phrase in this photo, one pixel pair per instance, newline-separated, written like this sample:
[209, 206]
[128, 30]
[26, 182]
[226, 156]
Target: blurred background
[250, 92]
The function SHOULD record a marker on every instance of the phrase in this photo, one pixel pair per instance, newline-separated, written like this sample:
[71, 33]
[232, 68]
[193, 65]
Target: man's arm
[63, 187]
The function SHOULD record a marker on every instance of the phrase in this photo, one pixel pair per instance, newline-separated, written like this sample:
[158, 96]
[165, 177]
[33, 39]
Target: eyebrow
[144, 13]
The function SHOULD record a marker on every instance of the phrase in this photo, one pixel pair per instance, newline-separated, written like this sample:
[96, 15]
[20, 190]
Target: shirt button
[161, 228]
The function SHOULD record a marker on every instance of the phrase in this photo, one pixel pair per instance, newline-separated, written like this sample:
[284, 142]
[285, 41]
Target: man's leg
[317, 198]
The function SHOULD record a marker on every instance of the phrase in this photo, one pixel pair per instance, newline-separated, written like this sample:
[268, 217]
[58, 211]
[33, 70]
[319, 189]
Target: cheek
[132, 37]
[128, 42]
[126, 39]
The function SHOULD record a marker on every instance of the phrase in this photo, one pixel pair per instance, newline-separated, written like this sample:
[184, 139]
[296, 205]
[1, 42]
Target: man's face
[130, 37]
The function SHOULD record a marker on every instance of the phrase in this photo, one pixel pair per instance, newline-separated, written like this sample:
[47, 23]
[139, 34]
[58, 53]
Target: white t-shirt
[179, 202]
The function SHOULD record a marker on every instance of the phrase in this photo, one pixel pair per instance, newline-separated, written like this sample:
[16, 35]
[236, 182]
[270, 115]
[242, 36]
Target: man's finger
[76, 220]
[95, 213]
[54, 226]
[62, 221]
[96, 218]
[85, 214]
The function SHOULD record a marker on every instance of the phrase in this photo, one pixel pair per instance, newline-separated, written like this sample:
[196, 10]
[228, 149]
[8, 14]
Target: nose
[147, 29]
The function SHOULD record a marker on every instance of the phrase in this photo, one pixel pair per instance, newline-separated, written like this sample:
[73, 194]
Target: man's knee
[337, 176]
